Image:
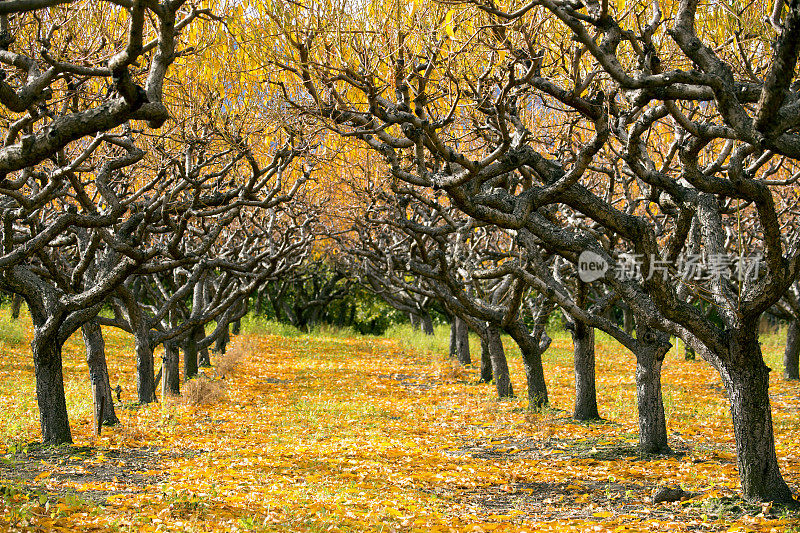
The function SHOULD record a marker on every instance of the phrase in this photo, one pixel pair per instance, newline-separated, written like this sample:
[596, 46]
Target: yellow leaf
[448, 24]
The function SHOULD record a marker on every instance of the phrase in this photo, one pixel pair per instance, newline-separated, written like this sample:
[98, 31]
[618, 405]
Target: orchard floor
[321, 433]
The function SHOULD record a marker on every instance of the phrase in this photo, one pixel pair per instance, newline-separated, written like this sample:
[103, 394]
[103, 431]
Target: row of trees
[521, 144]
[117, 194]
[548, 154]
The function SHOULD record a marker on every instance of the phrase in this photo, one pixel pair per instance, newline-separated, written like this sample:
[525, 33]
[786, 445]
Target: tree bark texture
[497, 354]
[453, 336]
[427, 324]
[461, 341]
[532, 349]
[145, 372]
[649, 359]
[203, 357]
[189, 357]
[171, 378]
[747, 385]
[791, 354]
[486, 362]
[50, 389]
[103, 400]
[584, 363]
[221, 344]
[627, 320]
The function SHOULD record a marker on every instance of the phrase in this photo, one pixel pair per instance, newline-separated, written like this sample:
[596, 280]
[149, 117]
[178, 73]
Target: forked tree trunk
[791, 354]
[104, 413]
[497, 354]
[50, 388]
[236, 327]
[486, 362]
[584, 363]
[145, 374]
[427, 324]
[747, 385]
[16, 304]
[649, 359]
[414, 321]
[171, 378]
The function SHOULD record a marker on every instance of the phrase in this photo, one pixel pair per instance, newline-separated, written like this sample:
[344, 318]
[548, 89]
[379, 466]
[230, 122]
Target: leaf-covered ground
[366, 434]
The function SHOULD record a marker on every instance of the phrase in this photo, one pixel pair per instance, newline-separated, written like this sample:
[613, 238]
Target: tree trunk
[497, 354]
[98, 375]
[189, 357]
[486, 362]
[203, 358]
[584, 363]
[145, 371]
[16, 304]
[532, 349]
[414, 321]
[236, 327]
[50, 389]
[427, 324]
[221, 344]
[791, 355]
[747, 385]
[649, 358]
[462, 342]
[453, 338]
[171, 378]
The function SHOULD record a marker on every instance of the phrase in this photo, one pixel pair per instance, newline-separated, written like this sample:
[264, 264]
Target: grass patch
[336, 332]
[204, 391]
[256, 325]
[438, 343]
[12, 331]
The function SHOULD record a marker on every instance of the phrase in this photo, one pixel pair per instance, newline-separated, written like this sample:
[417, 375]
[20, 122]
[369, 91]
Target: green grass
[336, 332]
[439, 342]
[772, 346]
[12, 331]
[256, 325]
